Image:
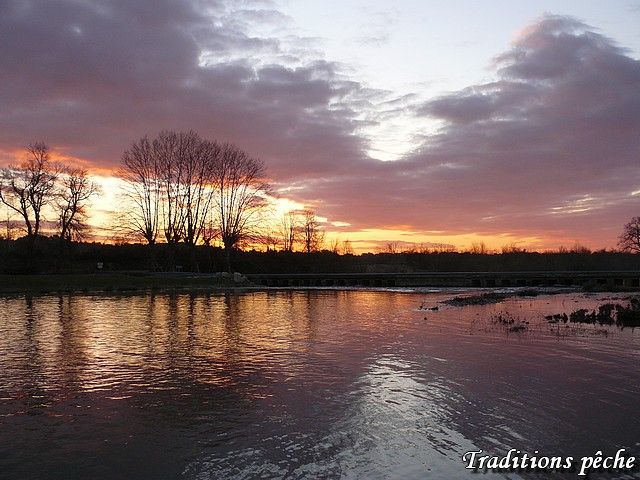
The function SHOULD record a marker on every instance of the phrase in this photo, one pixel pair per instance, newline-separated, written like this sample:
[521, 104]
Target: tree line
[177, 188]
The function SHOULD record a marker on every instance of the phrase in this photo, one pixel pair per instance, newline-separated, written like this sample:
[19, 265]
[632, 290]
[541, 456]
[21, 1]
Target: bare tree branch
[28, 188]
[71, 205]
[241, 195]
[140, 174]
[629, 240]
[313, 235]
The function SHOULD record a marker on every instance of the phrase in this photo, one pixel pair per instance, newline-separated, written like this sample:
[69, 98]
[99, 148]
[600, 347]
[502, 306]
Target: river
[317, 384]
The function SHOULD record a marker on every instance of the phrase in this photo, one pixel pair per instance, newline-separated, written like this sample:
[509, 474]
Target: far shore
[115, 283]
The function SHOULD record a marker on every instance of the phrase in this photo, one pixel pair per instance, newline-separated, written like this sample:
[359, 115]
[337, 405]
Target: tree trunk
[227, 251]
[153, 262]
[31, 241]
[193, 259]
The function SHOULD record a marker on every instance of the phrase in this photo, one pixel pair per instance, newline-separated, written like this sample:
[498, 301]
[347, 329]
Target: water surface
[306, 384]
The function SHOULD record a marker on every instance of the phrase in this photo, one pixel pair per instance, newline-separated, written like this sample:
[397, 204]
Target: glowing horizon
[367, 240]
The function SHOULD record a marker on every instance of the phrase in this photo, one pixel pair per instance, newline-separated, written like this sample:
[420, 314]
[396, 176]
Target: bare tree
[269, 238]
[196, 161]
[312, 234]
[28, 188]
[169, 181]
[289, 230]
[71, 204]
[241, 190]
[392, 248]
[478, 248]
[169, 151]
[511, 248]
[7, 223]
[192, 190]
[347, 248]
[334, 245]
[199, 163]
[209, 229]
[443, 248]
[140, 174]
[629, 240]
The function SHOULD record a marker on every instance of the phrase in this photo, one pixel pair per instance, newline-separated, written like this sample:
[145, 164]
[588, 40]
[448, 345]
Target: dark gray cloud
[94, 76]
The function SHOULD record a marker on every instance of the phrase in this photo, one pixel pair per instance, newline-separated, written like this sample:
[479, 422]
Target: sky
[407, 122]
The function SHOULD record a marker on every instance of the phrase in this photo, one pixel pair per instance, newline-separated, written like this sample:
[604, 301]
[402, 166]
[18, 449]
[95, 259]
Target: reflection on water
[315, 384]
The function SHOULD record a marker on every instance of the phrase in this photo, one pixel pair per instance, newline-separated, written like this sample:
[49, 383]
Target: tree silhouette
[313, 235]
[71, 203]
[28, 188]
[241, 195]
[629, 240]
[169, 181]
[289, 229]
[140, 175]
[191, 190]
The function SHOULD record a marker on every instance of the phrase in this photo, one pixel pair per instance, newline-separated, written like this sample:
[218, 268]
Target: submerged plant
[605, 314]
[557, 318]
[510, 323]
[629, 316]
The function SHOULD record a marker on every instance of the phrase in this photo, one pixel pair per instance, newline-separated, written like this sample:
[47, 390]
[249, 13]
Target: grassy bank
[111, 282]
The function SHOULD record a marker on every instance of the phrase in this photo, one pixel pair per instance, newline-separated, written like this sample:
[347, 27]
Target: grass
[110, 282]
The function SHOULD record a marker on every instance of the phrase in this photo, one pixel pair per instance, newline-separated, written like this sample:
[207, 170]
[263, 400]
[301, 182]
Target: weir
[450, 279]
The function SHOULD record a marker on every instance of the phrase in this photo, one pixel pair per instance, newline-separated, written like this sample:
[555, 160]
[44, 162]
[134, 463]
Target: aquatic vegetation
[558, 317]
[605, 314]
[424, 306]
[510, 323]
[483, 299]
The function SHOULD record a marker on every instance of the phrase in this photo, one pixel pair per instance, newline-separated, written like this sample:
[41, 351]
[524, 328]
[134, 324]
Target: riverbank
[133, 281]
[116, 282]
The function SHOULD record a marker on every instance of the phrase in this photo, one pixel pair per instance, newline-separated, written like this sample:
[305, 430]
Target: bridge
[450, 279]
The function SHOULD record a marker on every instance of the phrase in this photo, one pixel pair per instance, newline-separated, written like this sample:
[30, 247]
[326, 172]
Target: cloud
[559, 124]
[550, 145]
[94, 76]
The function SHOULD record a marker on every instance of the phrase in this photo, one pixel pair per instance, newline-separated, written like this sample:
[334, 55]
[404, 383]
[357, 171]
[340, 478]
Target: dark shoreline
[114, 283]
[142, 282]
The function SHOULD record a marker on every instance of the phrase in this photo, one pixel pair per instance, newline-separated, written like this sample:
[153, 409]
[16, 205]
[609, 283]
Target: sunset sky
[407, 121]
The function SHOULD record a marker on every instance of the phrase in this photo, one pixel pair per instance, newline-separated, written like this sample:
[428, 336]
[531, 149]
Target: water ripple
[318, 384]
